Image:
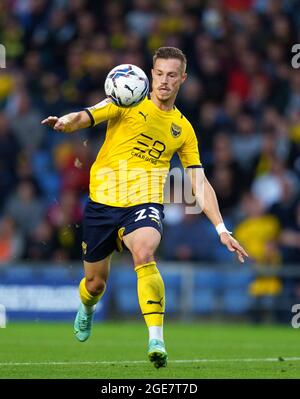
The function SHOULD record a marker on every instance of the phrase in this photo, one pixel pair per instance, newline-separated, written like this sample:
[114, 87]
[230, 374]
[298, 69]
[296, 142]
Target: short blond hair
[170, 52]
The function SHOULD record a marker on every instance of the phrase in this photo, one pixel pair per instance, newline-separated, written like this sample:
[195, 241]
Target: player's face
[167, 77]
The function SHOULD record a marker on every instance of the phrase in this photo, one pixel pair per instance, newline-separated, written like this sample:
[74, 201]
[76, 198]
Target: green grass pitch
[118, 350]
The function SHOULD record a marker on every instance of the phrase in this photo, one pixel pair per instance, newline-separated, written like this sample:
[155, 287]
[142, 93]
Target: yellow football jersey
[134, 160]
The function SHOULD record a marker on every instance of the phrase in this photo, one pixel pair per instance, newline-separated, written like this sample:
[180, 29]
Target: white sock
[156, 332]
[89, 309]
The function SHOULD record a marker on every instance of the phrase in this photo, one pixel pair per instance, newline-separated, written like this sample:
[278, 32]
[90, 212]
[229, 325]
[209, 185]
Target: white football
[126, 85]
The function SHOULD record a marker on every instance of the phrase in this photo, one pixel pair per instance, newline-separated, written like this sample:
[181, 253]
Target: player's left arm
[204, 192]
[207, 200]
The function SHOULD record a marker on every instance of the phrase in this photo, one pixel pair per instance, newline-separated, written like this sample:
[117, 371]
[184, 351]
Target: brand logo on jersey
[175, 130]
[143, 115]
[84, 247]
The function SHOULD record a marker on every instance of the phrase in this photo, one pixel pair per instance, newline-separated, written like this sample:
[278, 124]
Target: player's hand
[56, 123]
[233, 246]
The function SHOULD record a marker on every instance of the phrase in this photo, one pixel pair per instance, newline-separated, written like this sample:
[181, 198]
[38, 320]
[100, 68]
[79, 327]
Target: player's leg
[93, 285]
[142, 244]
[99, 241]
[91, 289]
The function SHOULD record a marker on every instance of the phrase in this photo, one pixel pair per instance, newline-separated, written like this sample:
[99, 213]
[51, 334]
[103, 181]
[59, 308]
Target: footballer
[125, 205]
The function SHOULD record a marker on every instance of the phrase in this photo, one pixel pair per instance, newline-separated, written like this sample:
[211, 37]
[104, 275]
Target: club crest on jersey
[175, 130]
[84, 247]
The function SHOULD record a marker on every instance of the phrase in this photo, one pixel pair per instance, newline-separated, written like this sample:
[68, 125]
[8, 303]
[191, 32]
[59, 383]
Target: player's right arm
[68, 123]
[90, 116]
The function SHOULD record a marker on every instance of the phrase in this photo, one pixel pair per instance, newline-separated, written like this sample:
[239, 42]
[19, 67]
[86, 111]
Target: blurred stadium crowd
[242, 97]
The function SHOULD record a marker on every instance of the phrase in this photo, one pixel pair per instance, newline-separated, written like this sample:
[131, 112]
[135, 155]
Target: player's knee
[95, 285]
[142, 254]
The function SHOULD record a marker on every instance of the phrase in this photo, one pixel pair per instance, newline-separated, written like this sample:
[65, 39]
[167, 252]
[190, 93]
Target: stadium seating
[15, 275]
[172, 283]
[124, 287]
[206, 291]
[236, 299]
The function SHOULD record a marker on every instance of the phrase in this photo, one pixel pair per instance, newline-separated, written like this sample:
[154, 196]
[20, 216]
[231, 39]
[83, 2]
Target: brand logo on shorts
[175, 130]
[84, 247]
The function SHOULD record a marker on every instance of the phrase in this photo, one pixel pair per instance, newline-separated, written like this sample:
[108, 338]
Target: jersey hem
[116, 204]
